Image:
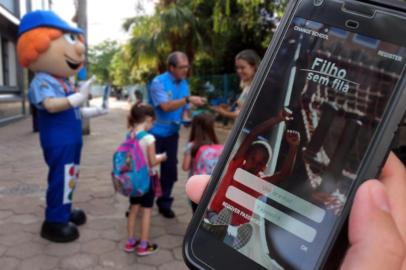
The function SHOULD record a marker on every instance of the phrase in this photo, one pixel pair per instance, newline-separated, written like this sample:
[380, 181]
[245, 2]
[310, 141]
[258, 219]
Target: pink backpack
[130, 173]
[206, 158]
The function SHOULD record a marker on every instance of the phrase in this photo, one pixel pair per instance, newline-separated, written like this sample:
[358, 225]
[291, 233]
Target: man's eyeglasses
[183, 67]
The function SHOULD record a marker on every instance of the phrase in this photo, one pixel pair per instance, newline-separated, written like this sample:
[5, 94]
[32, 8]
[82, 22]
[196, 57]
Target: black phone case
[390, 4]
[375, 156]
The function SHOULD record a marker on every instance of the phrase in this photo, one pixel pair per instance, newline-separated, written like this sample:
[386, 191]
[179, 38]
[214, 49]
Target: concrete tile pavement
[100, 246]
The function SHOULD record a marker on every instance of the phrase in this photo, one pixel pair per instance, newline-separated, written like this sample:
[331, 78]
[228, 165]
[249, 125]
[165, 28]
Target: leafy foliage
[210, 32]
[100, 57]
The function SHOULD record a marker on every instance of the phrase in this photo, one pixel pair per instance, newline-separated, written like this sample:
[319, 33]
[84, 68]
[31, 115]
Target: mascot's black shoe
[77, 217]
[59, 232]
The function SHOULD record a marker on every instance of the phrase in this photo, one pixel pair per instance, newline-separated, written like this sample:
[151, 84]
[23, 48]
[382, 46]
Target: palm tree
[173, 27]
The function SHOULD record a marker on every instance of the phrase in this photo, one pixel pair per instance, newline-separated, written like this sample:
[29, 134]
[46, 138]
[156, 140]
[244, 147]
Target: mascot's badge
[70, 182]
[43, 85]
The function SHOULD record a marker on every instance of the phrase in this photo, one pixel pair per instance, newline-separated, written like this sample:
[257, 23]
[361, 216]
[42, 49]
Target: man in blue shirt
[169, 95]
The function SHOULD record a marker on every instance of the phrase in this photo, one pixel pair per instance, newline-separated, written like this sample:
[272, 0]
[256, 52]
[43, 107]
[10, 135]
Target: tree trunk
[81, 19]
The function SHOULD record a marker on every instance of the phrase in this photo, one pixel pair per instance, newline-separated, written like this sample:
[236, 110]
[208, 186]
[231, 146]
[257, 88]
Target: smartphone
[321, 114]
[106, 95]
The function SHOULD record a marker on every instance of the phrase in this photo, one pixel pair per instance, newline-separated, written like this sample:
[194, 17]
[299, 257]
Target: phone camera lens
[352, 24]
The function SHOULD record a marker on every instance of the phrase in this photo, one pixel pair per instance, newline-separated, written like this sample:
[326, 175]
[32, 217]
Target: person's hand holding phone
[377, 223]
[162, 157]
[215, 109]
[197, 101]
[218, 109]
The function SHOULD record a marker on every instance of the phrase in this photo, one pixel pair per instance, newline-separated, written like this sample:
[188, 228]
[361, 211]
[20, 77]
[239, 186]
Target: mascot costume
[55, 51]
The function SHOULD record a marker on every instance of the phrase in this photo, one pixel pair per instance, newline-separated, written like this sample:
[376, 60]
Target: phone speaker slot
[358, 9]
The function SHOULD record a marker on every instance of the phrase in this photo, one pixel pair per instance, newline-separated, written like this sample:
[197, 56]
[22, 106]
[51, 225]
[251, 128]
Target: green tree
[235, 25]
[100, 57]
[120, 69]
[172, 27]
[211, 32]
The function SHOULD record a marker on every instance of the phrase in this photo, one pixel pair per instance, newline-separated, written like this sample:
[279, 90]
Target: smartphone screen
[295, 161]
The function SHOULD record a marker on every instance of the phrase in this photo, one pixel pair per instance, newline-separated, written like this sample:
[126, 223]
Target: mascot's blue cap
[45, 18]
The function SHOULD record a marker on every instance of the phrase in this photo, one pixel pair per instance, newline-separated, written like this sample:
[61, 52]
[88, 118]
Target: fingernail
[380, 197]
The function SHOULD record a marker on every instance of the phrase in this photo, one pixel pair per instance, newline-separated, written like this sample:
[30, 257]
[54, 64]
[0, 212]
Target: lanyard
[64, 86]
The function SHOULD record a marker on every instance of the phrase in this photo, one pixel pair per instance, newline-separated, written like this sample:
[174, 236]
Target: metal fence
[224, 88]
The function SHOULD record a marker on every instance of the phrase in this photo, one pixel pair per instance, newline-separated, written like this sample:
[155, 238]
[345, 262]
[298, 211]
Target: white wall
[1, 65]
[12, 63]
[39, 4]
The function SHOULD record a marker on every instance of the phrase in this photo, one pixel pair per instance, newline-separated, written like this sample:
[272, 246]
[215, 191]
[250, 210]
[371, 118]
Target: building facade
[12, 94]
[13, 103]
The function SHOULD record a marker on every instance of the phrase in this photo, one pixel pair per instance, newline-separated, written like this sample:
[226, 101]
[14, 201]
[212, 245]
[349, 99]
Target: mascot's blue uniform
[61, 141]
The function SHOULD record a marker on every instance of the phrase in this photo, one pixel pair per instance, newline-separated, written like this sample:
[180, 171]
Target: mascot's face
[63, 58]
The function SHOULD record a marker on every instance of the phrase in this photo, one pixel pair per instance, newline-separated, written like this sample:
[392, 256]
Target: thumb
[85, 87]
[375, 242]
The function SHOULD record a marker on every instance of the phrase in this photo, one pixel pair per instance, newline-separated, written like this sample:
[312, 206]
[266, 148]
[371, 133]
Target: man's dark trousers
[169, 171]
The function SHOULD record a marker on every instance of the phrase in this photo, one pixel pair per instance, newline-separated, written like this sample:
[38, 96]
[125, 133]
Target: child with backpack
[203, 149]
[140, 120]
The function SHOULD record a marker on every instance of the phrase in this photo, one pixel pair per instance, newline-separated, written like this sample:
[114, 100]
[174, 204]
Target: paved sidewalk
[22, 188]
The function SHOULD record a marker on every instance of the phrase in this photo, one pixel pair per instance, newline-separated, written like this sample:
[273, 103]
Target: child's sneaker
[130, 245]
[147, 250]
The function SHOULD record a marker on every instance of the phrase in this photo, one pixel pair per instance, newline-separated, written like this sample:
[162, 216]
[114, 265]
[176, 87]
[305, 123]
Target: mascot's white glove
[90, 112]
[76, 100]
